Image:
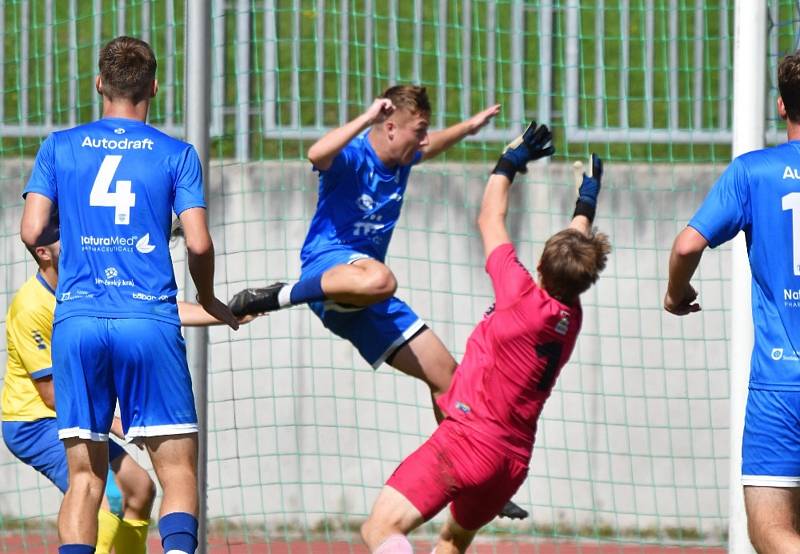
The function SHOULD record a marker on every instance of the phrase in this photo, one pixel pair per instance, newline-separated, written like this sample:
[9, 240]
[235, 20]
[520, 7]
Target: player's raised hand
[590, 183]
[218, 309]
[536, 142]
[481, 119]
[682, 303]
[380, 109]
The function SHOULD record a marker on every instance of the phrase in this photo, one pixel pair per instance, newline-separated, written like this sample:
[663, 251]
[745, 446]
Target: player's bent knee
[379, 283]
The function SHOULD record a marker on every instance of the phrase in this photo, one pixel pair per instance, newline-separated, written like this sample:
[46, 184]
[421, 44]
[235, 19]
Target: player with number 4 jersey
[478, 457]
[116, 184]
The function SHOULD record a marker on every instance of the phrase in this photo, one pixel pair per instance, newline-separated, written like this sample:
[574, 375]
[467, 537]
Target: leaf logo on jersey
[143, 244]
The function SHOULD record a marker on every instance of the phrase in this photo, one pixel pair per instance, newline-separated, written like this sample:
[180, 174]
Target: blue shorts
[771, 440]
[36, 444]
[141, 362]
[376, 331]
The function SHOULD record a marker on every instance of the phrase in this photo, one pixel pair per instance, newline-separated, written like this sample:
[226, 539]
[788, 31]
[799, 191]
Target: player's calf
[453, 539]
[392, 517]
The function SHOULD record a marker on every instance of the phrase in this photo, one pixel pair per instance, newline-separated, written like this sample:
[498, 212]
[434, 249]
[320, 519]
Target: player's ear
[390, 127]
[98, 85]
[781, 109]
[43, 254]
[155, 88]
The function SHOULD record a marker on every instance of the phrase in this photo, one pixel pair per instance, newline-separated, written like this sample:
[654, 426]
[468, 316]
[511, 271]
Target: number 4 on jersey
[122, 200]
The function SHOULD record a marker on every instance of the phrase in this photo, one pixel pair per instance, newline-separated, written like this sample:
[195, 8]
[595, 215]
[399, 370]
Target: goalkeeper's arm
[533, 144]
[588, 191]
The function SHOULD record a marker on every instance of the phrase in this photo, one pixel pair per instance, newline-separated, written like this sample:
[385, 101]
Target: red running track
[37, 544]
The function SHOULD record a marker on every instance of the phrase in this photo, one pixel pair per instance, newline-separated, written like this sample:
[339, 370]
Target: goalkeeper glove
[589, 189]
[531, 145]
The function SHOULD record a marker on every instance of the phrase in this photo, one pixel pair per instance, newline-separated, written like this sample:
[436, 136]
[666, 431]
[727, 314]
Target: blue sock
[178, 532]
[76, 549]
[307, 290]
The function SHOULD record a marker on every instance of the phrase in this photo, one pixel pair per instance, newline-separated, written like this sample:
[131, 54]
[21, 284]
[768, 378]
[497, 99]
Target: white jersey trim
[160, 430]
[770, 481]
[79, 433]
[398, 342]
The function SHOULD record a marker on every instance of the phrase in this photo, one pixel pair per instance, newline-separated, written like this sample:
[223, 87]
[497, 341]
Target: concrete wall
[301, 429]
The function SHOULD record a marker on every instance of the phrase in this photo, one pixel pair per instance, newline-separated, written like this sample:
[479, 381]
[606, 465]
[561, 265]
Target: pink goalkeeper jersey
[513, 358]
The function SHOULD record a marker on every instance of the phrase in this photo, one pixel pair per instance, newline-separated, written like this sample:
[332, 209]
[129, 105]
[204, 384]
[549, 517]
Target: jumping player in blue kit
[116, 183]
[363, 171]
[759, 194]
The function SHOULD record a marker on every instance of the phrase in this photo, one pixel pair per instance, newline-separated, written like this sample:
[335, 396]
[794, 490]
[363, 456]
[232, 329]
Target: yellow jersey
[29, 328]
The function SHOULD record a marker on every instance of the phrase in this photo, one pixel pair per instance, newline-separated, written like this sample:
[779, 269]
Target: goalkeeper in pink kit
[478, 456]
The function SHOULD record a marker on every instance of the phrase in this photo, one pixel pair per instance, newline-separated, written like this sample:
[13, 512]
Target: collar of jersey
[123, 120]
[44, 283]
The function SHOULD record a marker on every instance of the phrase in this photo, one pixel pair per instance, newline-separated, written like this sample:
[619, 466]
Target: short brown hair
[411, 98]
[127, 69]
[571, 263]
[789, 85]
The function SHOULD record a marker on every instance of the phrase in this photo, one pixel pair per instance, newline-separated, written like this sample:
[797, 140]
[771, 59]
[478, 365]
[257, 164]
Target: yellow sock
[132, 537]
[107, 526]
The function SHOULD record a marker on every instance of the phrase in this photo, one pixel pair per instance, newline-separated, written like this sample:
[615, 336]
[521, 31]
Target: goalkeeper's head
[571, 263]
[127, 71]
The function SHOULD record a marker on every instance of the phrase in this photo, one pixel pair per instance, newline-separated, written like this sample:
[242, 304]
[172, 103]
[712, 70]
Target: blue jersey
[116, 183]
[359, 203]
[759, 193]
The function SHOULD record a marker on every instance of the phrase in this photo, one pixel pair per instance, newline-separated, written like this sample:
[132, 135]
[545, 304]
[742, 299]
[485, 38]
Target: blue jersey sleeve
[188, 182]
[43, 176]
[726, 209]
[344, 162]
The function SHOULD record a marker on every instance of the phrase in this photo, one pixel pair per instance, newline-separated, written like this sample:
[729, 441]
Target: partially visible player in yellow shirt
[28, 410]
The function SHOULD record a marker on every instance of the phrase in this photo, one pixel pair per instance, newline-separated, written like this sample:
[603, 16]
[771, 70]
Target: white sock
[395, 544]
[285, 295]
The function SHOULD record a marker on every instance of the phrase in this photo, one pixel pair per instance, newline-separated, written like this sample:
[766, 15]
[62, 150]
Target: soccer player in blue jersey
[363, 171]
[759, 193]
[116, 336]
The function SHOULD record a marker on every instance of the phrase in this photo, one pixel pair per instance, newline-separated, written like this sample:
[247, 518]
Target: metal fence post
[198, 115]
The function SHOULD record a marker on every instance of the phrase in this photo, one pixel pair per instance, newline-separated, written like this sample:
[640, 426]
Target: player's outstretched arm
[194, 315]
[35, 218]
[439, 141]
[683, 261]
[588, 190]
[322, 152]
[201, 264]
[534, 143]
